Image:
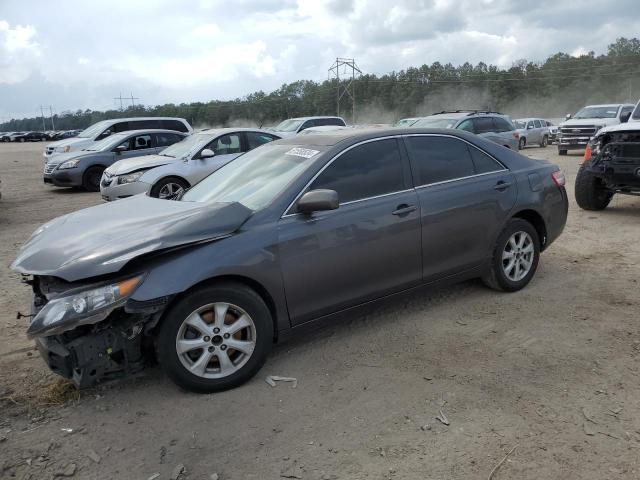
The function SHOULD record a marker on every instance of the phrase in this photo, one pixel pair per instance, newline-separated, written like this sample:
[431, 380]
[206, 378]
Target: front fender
[177, 169]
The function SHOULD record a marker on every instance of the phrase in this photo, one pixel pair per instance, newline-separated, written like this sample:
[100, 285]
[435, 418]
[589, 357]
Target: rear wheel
[545, 142]
[590, 191]
[170, 188]
[91, 179]
[215, 338]
[562, 152]
[522, 143]
[515, 257]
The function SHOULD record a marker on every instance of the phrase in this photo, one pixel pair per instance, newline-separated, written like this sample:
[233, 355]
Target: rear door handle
[404, 209]
[501, 186]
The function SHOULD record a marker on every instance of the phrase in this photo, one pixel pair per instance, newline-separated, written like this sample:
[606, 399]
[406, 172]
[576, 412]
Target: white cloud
[18, 52]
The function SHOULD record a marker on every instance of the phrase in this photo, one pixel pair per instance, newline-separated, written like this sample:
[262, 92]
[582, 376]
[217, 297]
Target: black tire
[165, 183]
[521, 143]
[91, 179]
[497, 278]
[590, 192]
[545, 142]
[562, 152]
[22, 140]
[229, 292]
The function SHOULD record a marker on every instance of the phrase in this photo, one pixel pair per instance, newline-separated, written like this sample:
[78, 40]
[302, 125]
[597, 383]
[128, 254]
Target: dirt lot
[553, 370]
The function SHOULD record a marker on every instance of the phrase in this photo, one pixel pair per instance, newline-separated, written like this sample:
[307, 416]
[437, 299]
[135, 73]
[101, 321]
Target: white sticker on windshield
[302, 152]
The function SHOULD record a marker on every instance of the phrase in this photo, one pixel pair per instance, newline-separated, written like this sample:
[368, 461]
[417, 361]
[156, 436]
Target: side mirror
[120, 149]
[207, 153]
[568, 116]
[317, 201]
[624, 118]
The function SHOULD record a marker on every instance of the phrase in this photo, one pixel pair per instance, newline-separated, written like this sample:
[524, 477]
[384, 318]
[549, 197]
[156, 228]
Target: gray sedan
[175, 169]
[84, 168]
[290, 234]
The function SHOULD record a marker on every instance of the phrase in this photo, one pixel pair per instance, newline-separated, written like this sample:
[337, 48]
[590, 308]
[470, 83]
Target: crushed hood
[128, 165]
[621, 127]
[102, 239]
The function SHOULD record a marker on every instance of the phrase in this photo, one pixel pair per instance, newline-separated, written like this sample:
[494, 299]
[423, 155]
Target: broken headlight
[81, 307]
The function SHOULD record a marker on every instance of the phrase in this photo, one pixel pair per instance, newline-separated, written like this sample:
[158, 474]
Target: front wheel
[170, 188]
[590, 192]
[515, 257]
[215, 338]
[545, 142]
[91, 179]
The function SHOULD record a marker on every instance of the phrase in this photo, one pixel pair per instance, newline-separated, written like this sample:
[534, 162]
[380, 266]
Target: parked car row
[23, 137]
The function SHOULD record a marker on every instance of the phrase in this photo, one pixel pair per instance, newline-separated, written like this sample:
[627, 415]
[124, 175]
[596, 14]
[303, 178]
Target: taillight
[558, 178]
[587, 154]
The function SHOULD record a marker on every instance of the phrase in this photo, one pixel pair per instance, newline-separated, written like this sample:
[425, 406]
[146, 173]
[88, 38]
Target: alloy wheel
[170, 191]
[517, 256]
[216, 340]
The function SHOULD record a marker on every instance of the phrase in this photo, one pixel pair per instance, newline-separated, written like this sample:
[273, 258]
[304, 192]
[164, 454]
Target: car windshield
[94, 130]
[436, 122]
[290, 125]
[405, 122]
[255, 178]
[185, 147]
[107, 143]
[520, 123]
[597, 112]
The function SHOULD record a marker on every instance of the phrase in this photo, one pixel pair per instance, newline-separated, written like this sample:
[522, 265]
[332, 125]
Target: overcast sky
[80, 54]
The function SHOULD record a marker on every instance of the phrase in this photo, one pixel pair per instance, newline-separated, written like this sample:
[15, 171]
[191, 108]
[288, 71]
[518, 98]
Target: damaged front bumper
[112, 348]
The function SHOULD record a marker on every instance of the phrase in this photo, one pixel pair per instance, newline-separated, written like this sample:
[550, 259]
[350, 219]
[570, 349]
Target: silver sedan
[178, 167]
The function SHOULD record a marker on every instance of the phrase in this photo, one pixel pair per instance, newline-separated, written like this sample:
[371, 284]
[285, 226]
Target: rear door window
[537, 123]
[438, 159]
[365, 171]
[255, 139]
[166, 139]
[483, 125]
[482, 162]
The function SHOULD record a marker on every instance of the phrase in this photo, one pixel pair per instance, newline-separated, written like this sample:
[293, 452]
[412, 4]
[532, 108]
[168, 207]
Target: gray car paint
[267, 246]
[73, 177]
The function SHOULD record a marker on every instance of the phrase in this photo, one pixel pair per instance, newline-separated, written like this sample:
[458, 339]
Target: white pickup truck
[575, 132]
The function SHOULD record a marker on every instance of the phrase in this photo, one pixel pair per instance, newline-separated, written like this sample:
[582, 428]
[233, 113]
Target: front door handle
[404, 209]
[501, 186]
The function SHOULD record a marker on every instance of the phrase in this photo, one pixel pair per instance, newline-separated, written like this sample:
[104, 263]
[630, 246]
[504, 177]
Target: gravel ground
[553, 370]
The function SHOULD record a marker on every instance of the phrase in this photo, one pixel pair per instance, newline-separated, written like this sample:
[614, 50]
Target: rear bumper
[557, 212]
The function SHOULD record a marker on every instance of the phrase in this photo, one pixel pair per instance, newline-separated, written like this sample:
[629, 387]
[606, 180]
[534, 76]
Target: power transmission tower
[53, 127]
[345, 71]
[132, 99]
[119, 98]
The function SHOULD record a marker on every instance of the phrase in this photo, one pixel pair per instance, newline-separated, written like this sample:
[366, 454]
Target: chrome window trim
[459, 179]
[285, 214]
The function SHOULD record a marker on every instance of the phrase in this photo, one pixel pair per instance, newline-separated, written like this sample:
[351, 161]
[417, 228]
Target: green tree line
[561, 84]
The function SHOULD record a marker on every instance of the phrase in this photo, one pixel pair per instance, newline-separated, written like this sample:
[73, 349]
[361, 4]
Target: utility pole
[53, 127]
[44, 128]
[349, 71]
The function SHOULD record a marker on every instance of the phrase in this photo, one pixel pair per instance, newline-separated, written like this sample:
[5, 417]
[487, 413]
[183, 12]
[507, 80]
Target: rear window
[120, 127]
[439, 159]
[176, 125]
[502, 124]
[483, 125]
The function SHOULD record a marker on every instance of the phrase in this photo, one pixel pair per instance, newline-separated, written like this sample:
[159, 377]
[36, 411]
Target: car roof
[319, 117]
[148, 130]
[354, 135]
[140, 118]
[224, 130]
[611, 105]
